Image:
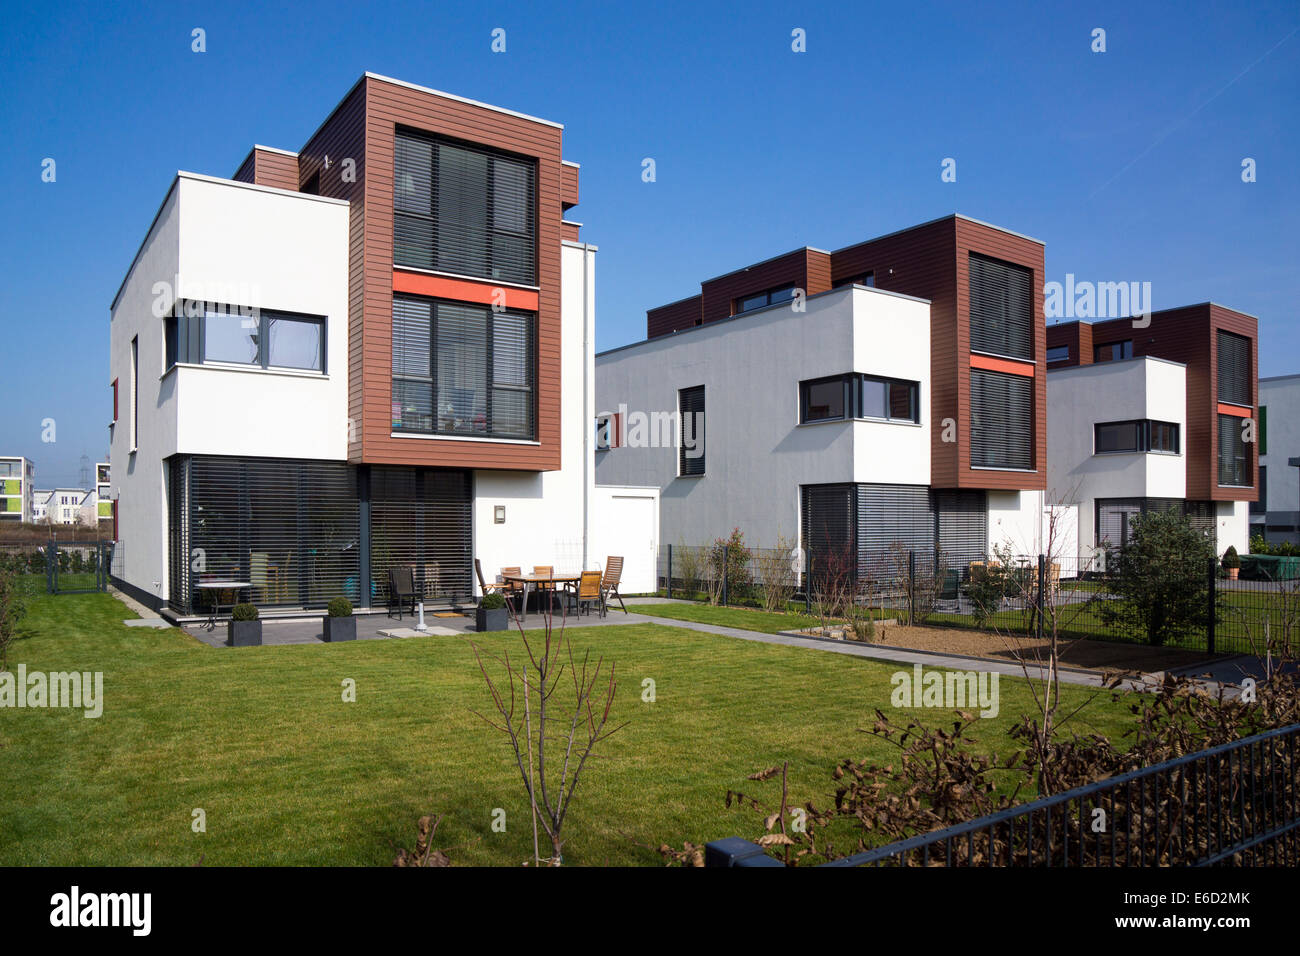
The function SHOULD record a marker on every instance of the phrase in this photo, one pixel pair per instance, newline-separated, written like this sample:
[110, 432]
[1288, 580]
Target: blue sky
[1127, 164]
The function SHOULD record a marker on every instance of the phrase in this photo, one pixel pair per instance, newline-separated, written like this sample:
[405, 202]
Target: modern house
[16, 492]
[103, 491]
[893, 391]
[1276, 515]
[374, 351]
[1156, 412]
[67, 506]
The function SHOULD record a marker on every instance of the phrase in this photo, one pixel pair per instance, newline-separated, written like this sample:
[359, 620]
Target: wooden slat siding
[923, 264]
[1077, 336]
[245, 174]
[976, 237]
[568, 187]
[343, 136]
[569, 231]
[719, 295]
[673, 317]
[1187, 335]
[817, 272]
[264, 168]
[388, 106]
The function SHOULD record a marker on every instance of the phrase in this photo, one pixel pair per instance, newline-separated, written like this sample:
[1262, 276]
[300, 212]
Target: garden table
[539, 581]
[216, 587]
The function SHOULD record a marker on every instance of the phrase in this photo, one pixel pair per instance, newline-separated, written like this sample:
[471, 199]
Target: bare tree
[551, 741]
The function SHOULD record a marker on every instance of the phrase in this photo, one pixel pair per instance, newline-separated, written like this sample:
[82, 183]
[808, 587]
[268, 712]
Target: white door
[630, 528]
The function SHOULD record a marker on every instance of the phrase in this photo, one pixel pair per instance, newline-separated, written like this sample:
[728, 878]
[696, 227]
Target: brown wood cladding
[362, 128]
[1077, 336]
[673, 317]
[568, 186]
[1187, 335]
[806, 269]
[263, 167]
[931, 261]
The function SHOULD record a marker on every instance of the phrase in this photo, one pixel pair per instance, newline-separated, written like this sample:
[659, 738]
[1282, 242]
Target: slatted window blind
[462, 369]
[893, 514]
[421, 518]
[828, 528]
[1001, 308]
[1234, 453]
[1001, 420]
[963, 526]
[691, 449]
[1234, 368]
[1115, 517]
[463, 209]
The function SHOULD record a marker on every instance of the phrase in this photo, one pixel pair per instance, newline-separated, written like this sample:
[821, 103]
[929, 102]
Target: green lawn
[289, 774]
[749, 619]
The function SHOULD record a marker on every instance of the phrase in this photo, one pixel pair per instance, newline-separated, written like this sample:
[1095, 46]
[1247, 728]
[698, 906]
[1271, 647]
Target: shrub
[776, 578]
[340, 607]
[732, 553]
[1160, 578]
[243, 612]
[1231, 559]
[11, 611]
[492, 601]
[686, 565]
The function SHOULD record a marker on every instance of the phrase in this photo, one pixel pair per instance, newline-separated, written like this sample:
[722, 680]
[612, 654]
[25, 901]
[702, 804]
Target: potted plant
[491, 614]
[243, 629]
[1231, 563]
[340, 625]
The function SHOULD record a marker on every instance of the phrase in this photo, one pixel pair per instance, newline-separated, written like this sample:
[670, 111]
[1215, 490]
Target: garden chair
[545, 570]
[609, 585]
[401, 589]
[590, 592]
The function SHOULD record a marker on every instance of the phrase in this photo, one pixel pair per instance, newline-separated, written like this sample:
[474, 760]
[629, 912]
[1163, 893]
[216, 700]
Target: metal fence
[1233, 805]
[1010, 594]
[59, 567]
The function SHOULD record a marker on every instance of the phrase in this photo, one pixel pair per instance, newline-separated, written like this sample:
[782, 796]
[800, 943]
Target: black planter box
[340, 629]
[491, 619]
[243, 633]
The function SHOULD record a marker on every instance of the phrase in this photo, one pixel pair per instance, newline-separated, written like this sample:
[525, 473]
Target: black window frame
[1001, 307]
[1233, 466]
[489, 372]
[988, 435]
[854, 385]
[522, 271]
[1125, 347]
[185, 338]
[867, 279]
[738, 304]
[1058, 348]
[1233, 365]
[1146, 432]
[691, 401]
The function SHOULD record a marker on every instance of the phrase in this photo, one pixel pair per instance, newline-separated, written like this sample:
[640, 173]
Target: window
[238, 336]
[862, 278]
[1142, 435]
[1113, 351]
[114, 401]
[1001, 308]
[1058, 353]
[135, 391]
[1261, 506]
[841, 397]
[762, 299]
[1115, 517]
[1234, 368]
[1002, 422]
[609, 432]
[1234, 453]
[462, 369]
[690, 451]
[463, 209]
[1262, 432]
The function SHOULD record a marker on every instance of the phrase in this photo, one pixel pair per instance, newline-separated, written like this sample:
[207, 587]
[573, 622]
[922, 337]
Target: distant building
[1276, 515]
[15, 489]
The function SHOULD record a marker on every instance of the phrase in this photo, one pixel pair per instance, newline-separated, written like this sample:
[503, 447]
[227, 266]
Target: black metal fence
[1009, 594]
[1233, 805]
[59, 567]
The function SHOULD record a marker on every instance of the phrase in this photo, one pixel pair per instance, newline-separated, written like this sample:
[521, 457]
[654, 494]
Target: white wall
[1234, 525]
[230, 243]
[549, 514]
[1016, 521]
[1282, 397]
[756, 453]
[1079, 398]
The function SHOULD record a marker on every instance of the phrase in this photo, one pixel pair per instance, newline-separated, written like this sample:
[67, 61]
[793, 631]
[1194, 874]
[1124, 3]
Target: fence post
[726, 560]
[52, 568]
[911, 588]
[1212, 569]
[807, 581]
[670, 570]
[1042, 566]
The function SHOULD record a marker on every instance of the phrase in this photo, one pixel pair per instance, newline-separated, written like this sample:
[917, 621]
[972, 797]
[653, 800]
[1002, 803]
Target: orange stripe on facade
[464, 290]
[1236, 411]
[1010, 366]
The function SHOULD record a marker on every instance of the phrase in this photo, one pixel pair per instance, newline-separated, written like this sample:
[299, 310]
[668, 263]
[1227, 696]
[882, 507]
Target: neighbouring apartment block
[16, 491]
[375, 351]
[893, 391]
[1154, 413]
[1276, 515]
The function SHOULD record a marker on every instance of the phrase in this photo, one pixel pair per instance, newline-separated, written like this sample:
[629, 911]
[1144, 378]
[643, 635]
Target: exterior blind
[1114, 518]
[421, 518]
[1001, 420]
[828, 532]
[690, 405]
[1234, 453]
[1234, 368]
[889, 515]
[464, 209]
[1001, 308]
[963, 525]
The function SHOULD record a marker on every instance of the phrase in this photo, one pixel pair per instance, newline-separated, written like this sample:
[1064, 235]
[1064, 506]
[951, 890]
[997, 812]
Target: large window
[464, 210]
[1058, 353]
[760, 300]
[690, 451]
[1234, 368]
[1113, 351]
[261, 338]
[1001, 308]
[1234, 453]
[1001, 420]
[462, 369]
[1140, 435]
[1115, 517]
[841, 397]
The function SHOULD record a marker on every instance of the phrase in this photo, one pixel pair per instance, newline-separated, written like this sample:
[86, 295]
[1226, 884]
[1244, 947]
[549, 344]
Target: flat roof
[1114, 362]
